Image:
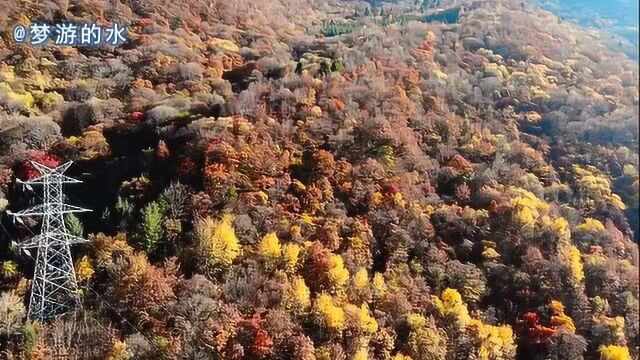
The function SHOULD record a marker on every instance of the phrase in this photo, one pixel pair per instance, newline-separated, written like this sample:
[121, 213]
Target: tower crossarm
[52, 239]
[41, 210]
[50, 175]
[49, 178]
[43, 169]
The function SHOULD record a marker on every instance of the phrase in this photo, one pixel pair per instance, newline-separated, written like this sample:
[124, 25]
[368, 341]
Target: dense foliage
[320, 180]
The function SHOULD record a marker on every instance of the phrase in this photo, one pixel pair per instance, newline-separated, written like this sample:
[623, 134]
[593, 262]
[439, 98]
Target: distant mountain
[618, 18]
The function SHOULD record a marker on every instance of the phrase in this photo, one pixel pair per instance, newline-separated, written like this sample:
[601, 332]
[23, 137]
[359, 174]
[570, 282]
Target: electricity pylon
[54, 289]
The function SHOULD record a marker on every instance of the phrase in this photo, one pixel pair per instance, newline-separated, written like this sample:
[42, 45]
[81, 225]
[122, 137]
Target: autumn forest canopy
[323, 179]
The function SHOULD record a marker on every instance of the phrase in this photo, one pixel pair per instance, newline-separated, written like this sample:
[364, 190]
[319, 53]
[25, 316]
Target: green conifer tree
[74, 225]
[337, 66]
[152, 225]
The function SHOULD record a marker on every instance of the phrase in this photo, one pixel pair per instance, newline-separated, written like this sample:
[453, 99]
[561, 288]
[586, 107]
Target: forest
[326, 180]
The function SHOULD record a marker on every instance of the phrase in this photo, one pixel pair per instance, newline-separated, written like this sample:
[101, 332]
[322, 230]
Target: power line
[105, 302]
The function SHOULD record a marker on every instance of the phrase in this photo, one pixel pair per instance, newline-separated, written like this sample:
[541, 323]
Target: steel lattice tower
[54, 289]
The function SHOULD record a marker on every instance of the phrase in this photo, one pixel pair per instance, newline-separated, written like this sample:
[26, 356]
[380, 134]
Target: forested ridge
[319, 179]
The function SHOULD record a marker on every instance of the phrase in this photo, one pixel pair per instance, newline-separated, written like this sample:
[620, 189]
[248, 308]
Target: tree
[614, 352]
[270, 249]
[337, 65]
[12, 312]
[330, 315]
[216, 242]
[152, 225]
[74, 225]
[426, 341]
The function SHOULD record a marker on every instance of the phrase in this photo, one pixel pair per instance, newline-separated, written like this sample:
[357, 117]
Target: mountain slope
[329, 180]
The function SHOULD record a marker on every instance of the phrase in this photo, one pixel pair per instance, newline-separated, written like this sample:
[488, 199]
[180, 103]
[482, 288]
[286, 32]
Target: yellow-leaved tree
[401, 356]
[559, 318]
[298, 297]
[570, 255]
[359, 290]
[360, 320]
[84, 269]
[270, 249]
[270, 246]
[591, 225]
[494, 342]
[119, 351]
[291, 256]
[379, 287]
[594, 186]
[329, 314]
[450, 305]
[338, 275]
[528, 208]
[614, 352]
[217, 243]
[426, 341]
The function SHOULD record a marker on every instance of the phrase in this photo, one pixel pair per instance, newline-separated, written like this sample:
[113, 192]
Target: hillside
[618, 20]
[327, 180]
